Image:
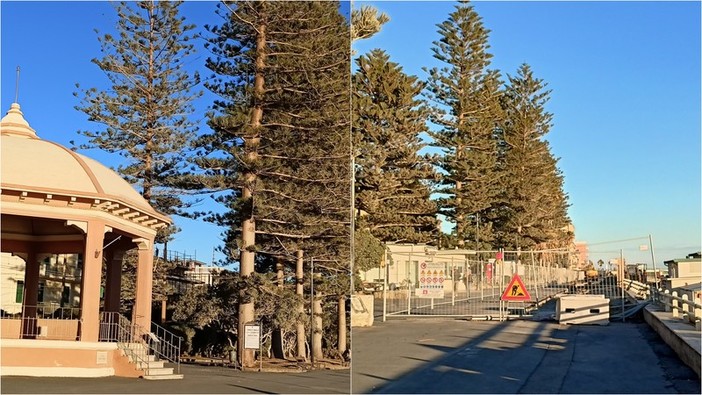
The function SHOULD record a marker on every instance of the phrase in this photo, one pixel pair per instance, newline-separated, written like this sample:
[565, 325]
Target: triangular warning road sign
[516, 291]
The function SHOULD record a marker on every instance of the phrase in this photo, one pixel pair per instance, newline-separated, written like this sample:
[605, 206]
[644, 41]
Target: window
[47, 266]
[40, 298]
[65, 295]
[19, 296]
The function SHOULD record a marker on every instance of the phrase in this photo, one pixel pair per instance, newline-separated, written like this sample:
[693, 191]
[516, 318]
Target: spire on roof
[13, 123]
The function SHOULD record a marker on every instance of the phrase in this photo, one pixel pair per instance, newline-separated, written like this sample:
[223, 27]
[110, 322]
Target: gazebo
[65, 213]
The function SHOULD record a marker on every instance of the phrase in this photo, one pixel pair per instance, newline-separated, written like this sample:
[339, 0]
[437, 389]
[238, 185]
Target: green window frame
[19, 295]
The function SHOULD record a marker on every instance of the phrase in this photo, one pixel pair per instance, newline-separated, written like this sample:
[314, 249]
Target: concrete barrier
[361, 310]
[583, 309]
[682, 337]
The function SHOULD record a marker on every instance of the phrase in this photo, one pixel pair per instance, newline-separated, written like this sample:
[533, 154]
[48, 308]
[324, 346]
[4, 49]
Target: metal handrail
[114, 327]
[40, 311]
[168, 344]
[37, 323]
[160, 342]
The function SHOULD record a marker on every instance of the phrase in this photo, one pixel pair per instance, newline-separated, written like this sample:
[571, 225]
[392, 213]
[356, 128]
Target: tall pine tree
[366, 22]
[146, 110]
[466, 109]
[280, 141]
[392, 178]
[535, 206]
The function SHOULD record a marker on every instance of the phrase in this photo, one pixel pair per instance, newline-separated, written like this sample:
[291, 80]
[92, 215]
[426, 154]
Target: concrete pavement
[198, 380]
[454, 356]
[457, 356]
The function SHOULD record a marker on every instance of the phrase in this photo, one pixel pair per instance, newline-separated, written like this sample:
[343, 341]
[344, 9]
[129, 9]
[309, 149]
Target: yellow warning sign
[516, 291]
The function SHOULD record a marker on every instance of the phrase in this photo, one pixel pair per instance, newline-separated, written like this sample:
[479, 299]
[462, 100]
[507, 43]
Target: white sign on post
[431, 280]
[252, 336]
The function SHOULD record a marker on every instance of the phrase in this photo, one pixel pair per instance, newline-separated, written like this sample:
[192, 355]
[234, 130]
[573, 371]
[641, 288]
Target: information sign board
[252, 336]
[431, 280]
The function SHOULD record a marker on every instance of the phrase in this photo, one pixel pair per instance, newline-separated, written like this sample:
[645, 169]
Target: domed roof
[29, 163]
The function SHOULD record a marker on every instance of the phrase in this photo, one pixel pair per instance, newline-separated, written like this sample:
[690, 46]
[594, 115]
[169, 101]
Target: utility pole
[477, 231]
[653, 259]
[621, 279]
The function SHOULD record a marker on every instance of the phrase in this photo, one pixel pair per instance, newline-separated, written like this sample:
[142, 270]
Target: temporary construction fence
[471, 283]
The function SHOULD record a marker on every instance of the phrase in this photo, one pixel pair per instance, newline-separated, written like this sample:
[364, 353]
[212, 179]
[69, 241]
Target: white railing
[166, 344]
[682, 304]
[130, 338]
[160, 342]
[42, 322]
[638, 290]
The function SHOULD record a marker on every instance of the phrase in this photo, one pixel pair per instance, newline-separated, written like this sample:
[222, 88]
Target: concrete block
[361, 310]
[583, 309]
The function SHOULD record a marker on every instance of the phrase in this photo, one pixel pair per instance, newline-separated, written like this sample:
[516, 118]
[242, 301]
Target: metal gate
[422, 281]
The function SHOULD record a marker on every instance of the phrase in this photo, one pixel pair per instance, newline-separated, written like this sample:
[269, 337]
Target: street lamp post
[312, 317]
[653, 260]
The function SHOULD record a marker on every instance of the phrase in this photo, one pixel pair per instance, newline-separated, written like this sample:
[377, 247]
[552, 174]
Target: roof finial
[17, 85]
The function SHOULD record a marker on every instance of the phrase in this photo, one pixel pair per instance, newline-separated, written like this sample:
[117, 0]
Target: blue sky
[625, 80]
[626, 99]
[53, 43]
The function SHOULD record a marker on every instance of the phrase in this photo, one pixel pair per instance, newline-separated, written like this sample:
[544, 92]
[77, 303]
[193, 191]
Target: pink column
[144, 282]
[90, 287]
[30, 297]
[31, 281]
[113, 280]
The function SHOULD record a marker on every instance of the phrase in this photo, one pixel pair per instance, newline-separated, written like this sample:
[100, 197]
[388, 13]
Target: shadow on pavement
[451, 356]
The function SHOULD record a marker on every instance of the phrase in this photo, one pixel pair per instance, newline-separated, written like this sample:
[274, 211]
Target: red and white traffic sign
[516, 291]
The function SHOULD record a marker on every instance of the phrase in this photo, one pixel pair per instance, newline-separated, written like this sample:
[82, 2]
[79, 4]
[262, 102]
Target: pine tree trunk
[301, 354]
[277, 337]
[280, 272]
[342, 325]
[317, 328]
[248, 232]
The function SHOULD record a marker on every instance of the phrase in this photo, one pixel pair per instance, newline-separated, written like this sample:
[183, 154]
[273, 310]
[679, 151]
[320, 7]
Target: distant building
[582, 252]
[190, 272]
[684, 272]
[401, 264]
[59, 283]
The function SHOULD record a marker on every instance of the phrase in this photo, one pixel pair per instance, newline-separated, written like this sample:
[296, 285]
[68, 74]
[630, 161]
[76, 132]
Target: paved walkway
[680, 335]
[453, 356]
[198, 380]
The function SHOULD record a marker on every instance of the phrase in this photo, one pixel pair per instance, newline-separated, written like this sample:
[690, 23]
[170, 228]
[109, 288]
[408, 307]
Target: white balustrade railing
[683, 305]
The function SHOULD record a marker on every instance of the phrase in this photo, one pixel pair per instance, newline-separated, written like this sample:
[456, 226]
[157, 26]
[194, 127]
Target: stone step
[142, 357]
[150, 364]
[134, 346]
[159, 372]
[164, 377]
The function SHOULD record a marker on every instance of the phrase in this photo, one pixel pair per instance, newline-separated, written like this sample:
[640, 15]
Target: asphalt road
[454, 356]
[198, 380]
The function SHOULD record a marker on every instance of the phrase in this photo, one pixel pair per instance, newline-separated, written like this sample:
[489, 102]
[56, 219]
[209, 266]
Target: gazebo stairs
[143, 360]
[147, 351]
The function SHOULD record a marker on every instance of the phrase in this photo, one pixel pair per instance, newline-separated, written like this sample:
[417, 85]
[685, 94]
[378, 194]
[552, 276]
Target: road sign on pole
[516, 291]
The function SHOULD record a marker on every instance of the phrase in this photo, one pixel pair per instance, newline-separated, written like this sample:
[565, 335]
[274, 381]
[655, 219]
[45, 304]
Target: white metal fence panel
[472, 283]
